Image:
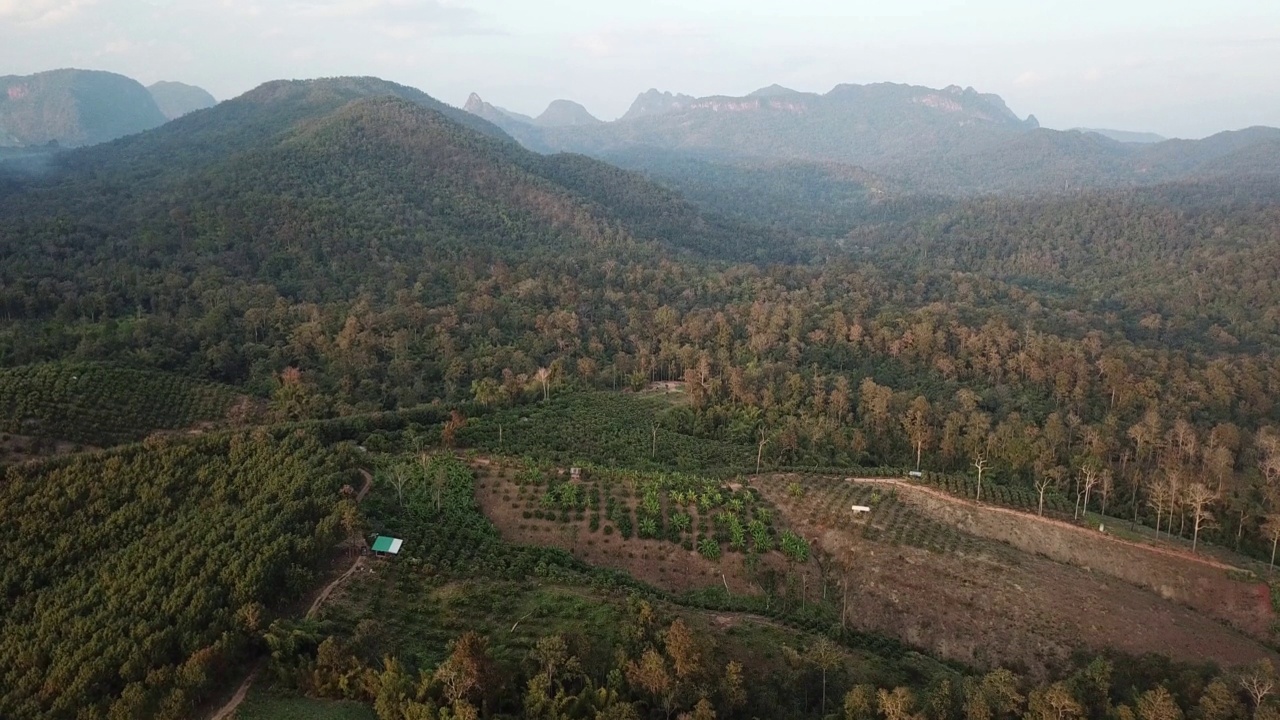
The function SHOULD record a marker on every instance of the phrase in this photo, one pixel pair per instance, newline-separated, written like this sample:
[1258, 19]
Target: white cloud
[40, 11]
[1028, 78]
[668, 37]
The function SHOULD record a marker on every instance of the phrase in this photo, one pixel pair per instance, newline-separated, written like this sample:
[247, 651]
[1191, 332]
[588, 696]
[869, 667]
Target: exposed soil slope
[987, 585]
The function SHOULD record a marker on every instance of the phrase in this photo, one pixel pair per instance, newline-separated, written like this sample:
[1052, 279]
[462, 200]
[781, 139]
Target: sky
[1181, 68]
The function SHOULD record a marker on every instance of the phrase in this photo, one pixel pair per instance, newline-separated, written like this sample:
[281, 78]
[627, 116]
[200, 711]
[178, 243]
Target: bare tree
[1051, 477]
[1090, 476]
[980, 464]
[1258, 680]
[1200, 498]
[1271, 526]
[1043, 482]
[764, 438]
[399, 478]
[543, 375]
[1106, 484]
[1157, 496]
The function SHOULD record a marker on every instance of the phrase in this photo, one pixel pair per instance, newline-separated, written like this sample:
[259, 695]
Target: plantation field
[136, 578]
[613, 429]
[676, 531]
[98, 405]
[943, 581]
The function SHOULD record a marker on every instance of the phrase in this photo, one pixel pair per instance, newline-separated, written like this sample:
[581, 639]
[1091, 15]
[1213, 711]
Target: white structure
[861, 509]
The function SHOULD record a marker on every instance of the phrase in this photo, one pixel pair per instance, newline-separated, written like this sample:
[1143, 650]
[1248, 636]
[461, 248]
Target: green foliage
[709, 549]
[794, 547]
[608, 429]
[166, 556]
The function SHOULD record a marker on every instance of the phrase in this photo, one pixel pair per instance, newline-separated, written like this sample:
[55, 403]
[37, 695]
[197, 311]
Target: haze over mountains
[806, 163]
[951, 141]
[176, 99]
[71, 107]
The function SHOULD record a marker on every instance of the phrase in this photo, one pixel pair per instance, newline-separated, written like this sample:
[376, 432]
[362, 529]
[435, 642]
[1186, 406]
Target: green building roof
[386, 544]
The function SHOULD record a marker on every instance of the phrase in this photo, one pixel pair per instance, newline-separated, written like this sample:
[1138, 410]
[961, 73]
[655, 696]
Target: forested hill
[1189, 265]
[409, 170]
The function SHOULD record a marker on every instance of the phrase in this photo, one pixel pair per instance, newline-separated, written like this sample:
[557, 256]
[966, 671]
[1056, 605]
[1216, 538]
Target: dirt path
[1062, 524]
[229, 708]
[324, 594]
[226, 710]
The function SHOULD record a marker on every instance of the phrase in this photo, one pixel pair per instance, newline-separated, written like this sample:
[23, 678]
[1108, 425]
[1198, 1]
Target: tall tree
[918, 424]
[1200, 499]
[825, 656]
[980, 464]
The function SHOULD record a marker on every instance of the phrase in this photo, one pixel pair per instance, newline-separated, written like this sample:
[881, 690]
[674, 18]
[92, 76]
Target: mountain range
[560, 113]
[950, 141]
[318, 168]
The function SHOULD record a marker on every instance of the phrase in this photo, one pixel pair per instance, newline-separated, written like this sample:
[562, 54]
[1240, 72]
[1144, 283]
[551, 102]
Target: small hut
[384, 546]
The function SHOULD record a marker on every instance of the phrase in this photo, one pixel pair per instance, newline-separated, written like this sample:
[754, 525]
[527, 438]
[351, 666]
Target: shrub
[709, 549]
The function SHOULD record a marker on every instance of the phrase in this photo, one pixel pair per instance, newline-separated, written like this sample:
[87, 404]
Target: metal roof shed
[387, 545]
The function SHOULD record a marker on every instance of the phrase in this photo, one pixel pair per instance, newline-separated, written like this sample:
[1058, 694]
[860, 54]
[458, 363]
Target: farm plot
[673, 530]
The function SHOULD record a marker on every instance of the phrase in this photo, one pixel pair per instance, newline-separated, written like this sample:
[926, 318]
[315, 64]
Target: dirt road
[229, 708]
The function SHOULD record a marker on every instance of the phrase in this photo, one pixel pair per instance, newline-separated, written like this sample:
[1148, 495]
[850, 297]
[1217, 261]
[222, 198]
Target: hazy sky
[1178, 67]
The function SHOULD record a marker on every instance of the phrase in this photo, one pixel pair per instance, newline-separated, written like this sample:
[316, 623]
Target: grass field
[268, 704]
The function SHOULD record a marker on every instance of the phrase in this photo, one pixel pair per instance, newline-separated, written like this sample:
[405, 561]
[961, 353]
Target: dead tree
[980, 463]
[1199, 499]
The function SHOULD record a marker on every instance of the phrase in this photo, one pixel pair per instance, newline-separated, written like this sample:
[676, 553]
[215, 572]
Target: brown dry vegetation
[988, 586]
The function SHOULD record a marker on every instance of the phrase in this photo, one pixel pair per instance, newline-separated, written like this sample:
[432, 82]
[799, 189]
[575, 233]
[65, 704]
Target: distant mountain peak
[563, 113]
[655, 102]
[774, 90]
[176, 99]
[494, 114]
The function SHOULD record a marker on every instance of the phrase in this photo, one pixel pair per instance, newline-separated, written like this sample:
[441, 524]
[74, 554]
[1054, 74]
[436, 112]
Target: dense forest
[330, 250]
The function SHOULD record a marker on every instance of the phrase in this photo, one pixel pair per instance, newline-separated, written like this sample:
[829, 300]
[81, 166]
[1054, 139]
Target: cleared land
[989, 585]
